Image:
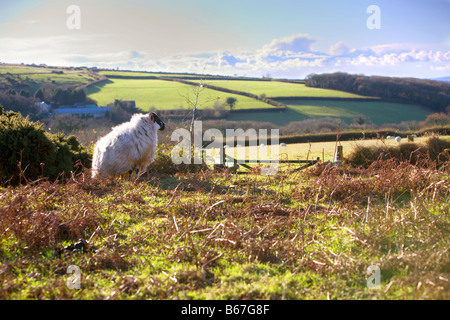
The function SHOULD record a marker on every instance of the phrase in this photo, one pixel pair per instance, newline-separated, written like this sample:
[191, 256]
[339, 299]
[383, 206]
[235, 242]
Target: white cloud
[285, 57]
[395, 59]
[339, 49]
[294, 43]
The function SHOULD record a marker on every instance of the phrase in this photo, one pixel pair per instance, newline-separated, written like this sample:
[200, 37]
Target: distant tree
[57, 95]
[360, 120]
[231, 102]
[68, 97]
[24, 93]
[79, 95]
[39, 94]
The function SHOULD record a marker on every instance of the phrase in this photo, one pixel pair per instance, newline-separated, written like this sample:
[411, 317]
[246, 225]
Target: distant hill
[433, 95]
[445, 79]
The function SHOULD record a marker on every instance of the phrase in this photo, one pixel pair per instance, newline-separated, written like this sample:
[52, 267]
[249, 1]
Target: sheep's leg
[140, 172]
[131, 173]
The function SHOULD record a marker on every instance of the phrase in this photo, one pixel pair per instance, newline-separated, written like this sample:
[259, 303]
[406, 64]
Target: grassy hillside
[308, 234]
[299, 99]
[377, 112]
[162, 94]
[280, 89]
[30, 78]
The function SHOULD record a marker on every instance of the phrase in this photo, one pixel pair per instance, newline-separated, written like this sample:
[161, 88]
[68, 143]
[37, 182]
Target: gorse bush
[29, 153]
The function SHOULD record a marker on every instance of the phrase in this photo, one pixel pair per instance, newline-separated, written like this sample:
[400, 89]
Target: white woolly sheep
[398, 139]
[130, 146]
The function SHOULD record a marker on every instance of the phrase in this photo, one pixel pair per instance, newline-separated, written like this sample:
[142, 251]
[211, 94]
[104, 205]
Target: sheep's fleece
[129, 146]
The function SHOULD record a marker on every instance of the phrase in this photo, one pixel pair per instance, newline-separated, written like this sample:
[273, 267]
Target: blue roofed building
[83, 110]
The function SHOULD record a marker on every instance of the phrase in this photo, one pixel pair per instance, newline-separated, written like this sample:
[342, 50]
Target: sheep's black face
[157, 120]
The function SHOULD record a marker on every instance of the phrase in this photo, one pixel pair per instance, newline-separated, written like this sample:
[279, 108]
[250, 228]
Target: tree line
[434, 95]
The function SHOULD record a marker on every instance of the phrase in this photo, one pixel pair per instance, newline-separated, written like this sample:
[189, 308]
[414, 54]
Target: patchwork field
[298, 98]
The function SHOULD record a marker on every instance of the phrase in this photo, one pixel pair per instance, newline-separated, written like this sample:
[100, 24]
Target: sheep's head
[155, 119]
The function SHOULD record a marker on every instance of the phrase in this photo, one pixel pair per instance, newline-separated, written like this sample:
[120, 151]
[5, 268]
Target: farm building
[88, 110]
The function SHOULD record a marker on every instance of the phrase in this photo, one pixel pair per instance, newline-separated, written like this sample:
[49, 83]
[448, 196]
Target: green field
[279, 89]
[162, 94]
[378, 112]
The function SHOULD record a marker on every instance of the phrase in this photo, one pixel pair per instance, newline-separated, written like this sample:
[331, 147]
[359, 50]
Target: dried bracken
[218, 235]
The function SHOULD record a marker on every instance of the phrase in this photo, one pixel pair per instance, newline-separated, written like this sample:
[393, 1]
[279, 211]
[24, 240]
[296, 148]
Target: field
[377, 112]
[162, 94]
[310, 234]
[279, 89]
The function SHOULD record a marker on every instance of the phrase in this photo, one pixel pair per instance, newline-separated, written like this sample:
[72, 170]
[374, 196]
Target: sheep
[130, 146]
[398, 139]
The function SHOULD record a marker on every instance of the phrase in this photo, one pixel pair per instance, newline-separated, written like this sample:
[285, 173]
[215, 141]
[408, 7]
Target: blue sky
[286, 39]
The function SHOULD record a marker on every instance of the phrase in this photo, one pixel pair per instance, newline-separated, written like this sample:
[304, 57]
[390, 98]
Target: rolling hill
[164, 91]
[254, 96]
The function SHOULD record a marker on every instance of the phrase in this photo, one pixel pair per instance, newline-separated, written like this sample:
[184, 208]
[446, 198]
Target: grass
[308, 234]
[162, 94]
[378, 112]
[280, 89]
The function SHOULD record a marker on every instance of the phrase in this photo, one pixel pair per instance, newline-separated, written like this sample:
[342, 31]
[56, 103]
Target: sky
[281, 39]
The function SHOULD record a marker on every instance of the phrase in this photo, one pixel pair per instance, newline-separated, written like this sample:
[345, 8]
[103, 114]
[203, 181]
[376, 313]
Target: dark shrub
[28, 152]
